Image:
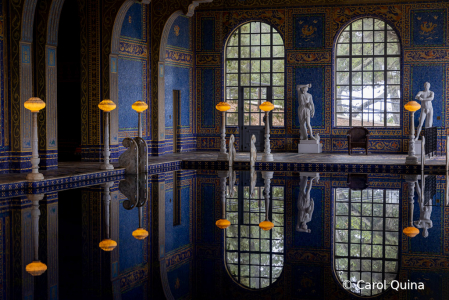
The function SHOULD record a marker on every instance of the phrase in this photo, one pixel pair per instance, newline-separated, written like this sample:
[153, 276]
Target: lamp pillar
[267, 156]
[223, 223]
[411, 159]
[140, 124]
[34, 105]
[36, 268]
[107, 244]
[223, 155]
[35, 175]
[411, 230]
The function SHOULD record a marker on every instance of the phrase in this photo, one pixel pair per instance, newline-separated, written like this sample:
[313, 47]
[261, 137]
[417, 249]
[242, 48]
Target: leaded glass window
[368, 75]
[254, 74]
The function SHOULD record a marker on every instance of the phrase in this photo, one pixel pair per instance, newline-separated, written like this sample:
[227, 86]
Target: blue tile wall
[314, 239]
[433, 243]
[208, 98]
[130, 90]
[135, 294]
[429, 27]
[309, 31]
[177, 78]
[179, 35]
[315, 76]
[132, 25]
[435, 75]
[179, 281]
[208, 37]
[177, 236]
[130, 249]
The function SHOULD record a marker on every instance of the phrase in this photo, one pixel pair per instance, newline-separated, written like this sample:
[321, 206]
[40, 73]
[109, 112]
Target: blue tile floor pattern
[69, 173]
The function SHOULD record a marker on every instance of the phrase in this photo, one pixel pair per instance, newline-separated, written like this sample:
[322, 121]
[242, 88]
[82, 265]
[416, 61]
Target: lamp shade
[140, 233]
[108, 244]
[223, 223]
[36, 268]
[139, 106]
[266, 106]
[411, 231]
[107, 105]
[223, 106]
[34, 104]
[266, 225]
[412, 106]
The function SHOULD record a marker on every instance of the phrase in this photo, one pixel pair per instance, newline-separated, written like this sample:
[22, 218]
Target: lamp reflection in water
[254, 257]
[36, 268]
[267, 224]
[366, 238]
[107, 244]
[411, 231]
[223, 223]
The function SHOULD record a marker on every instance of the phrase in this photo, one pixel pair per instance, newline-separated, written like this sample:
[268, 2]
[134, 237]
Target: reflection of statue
[426, 98]
[232, 179]
[306, 110]
[253, 179]
[425, 212]
[305, 204]
[232, 151]
[253, 153]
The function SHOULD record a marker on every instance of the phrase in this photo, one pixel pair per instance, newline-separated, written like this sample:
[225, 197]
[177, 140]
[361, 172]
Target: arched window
[254, 71]
[254, 257]
[366, 239]
[367, 75]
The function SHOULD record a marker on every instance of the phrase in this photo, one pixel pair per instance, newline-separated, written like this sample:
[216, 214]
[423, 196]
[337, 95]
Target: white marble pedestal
[309, 146]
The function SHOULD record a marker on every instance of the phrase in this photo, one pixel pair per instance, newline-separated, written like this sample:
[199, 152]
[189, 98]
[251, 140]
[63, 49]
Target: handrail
[423, 154]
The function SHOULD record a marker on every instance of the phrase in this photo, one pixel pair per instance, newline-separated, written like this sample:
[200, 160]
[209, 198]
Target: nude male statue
[306, 110]
[426, 98]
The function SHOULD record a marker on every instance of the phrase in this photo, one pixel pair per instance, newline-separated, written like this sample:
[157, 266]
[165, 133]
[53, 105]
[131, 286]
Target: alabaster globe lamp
[223, 107]
[34, 105]
[106, 106]
[412, 106]
[139, 107]
[267, 107]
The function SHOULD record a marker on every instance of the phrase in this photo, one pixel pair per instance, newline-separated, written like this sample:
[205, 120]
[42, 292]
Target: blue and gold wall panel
[309, 34]
[132, 68]
[179, 75]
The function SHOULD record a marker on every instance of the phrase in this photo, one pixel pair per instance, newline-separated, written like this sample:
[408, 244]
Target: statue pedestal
[309, 146]
[418, 148]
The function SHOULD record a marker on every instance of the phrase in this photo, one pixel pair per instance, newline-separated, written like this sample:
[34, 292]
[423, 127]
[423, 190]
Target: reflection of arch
[366, 238]
[254, 258]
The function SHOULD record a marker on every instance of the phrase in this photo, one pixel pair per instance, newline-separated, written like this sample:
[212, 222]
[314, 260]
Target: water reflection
[366, 237]
[254, 257]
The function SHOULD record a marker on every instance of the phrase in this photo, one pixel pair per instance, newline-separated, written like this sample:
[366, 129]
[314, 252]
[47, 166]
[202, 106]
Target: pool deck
[71, 172]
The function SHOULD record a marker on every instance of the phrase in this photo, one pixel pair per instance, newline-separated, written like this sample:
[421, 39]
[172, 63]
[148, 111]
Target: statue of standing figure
[426, 98]
[306, 110]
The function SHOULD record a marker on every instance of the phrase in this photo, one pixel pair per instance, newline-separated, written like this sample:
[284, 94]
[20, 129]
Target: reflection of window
[254, 59]
[368, 70]
[366, 237]
[254, 257]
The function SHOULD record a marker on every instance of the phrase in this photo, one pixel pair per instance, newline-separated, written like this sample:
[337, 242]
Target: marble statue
[425, 212]
[306, 110]
[305, 205]
[253, 153]
[232, 151]
[426, 98]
